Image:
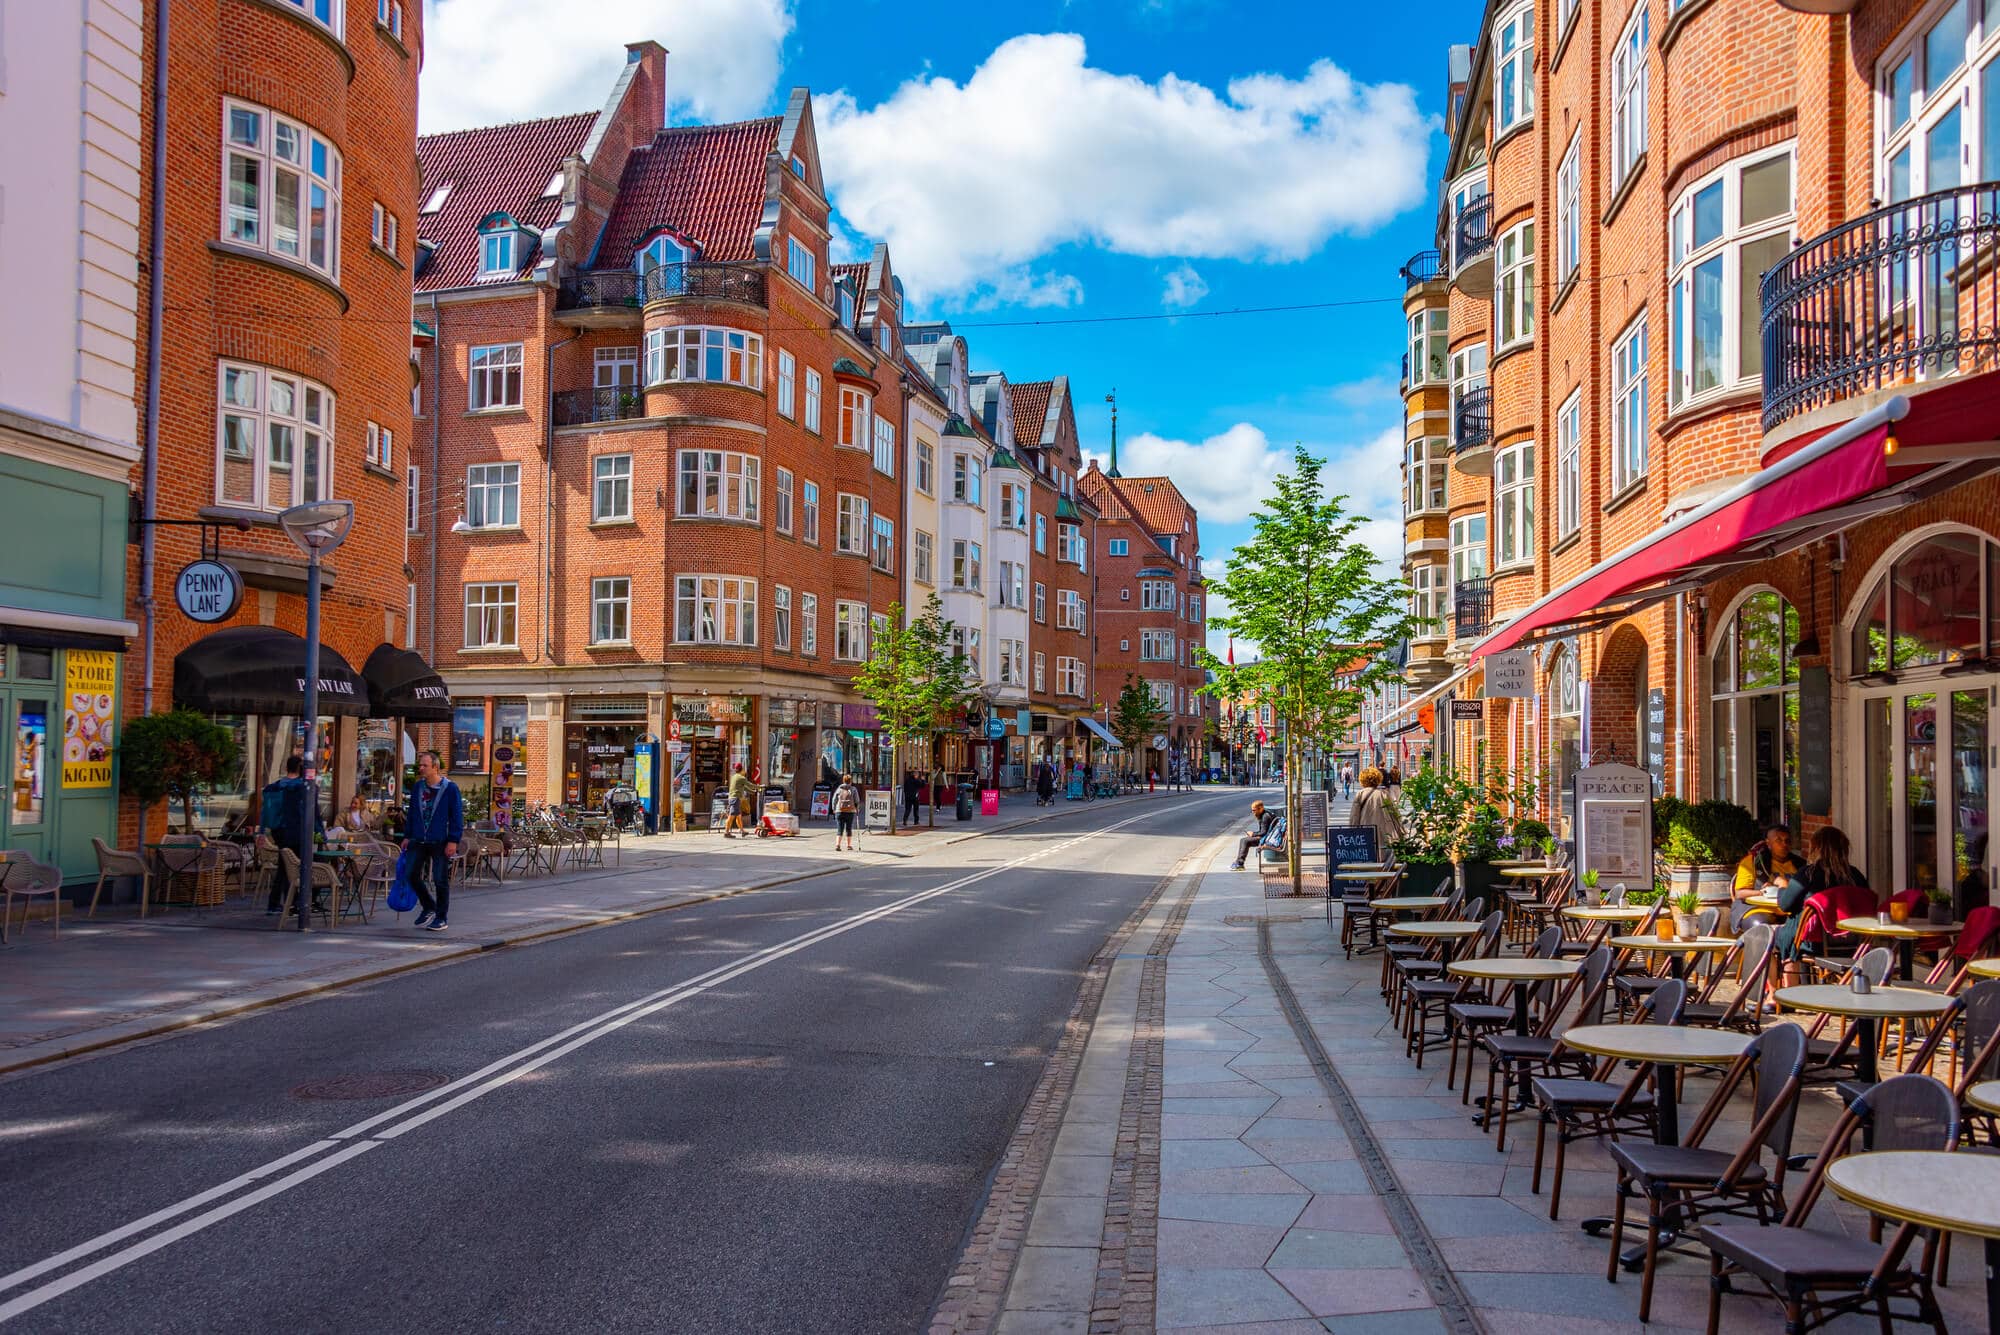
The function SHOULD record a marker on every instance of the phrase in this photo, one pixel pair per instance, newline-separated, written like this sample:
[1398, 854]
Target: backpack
[843, 798]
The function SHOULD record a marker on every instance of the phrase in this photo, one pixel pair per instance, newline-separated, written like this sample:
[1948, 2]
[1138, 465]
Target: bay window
[1514, 489]
[1723, 233]
[1156, 646]
[882, 545]
[1514, 68]
[718, 484]
[281, 187]
[708, 353]
[1514, 292]
[850, 631]
[1424, 468]
[1938, 103]
[856, 409]
[715, 609]
[1427, 601]
[850, 530]
[965, 565]
[1468, 549]
[966, 471]
[1427, 350]
[274, 438]
[1569, 465]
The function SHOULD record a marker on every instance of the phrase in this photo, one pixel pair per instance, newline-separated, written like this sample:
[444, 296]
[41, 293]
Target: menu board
[1815, 741]
[1312, 815]
[1656, 739]
[90, 680]
[1614, 805]
[1347, 844]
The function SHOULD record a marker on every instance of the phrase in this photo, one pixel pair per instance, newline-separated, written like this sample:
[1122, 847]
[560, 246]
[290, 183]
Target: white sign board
[208, 591]
[1510, 675]
[880, 803]
[1614, 817]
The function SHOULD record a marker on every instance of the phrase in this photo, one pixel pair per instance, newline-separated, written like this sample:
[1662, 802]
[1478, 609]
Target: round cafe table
[1932, 1189]
[1659, 1045]
[1408, 903]
[1607, 912]
[1446, 934]
[1677, 948]
[1767, 902]
[1528, 873]
[1867, 1009]
[1904, 934]
[1522, 973]
[1985, 1096]
[1352, 873]
[1989, 968]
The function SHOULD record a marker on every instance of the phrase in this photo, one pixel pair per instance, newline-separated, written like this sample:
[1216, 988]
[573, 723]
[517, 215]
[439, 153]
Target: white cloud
[1037, 149]
[491, 61]
[1022, 286]
[1226, 476]
[1184, 287]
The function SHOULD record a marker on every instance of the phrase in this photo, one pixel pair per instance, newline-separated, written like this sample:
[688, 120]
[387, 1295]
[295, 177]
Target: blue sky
[1055, 162]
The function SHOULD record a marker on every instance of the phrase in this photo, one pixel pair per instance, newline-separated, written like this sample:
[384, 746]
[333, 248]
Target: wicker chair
[113, 862]
[324, 878]
[189, 866]
[30, 879]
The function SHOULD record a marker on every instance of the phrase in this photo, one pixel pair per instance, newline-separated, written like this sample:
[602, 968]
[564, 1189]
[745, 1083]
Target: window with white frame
[490, 615]
[844, 301]
[1069, 544]
[1514, 68]
[382, 227]
[412, 499]
[784, 498]
[1468, 373]
[1069, 676]
[850, 530]
[610, 488]
[1424, 467]
[850, 631]
[1427, 600]
[1628, 94]
[788, 373]
[657, 253]
[1194, 607]
[1069, 610]
[1569, 465]
[410, 615]
[705, 352]
[1938, 103]
[1468, 548]
[885, 447]
[925, 558]
[497, 250]
[856, 409]
[1565, 15]
[781, 619]
[809, 624]
[1118, 547]
[1427, 349]
[1041, 603]
[1156, 595]
[1012, 656]
[1041, 671]
[812, 399]
[1013, 511]
[965, 644]
[1514, 288]
[274, 438]
[809, 512]
[882, 544]
[329, 14]
[381, 445]
[1723, 233]
[965, 557]
[1569, 211]
[389, 13]
[715, 609]
[493, 376]
[1514, 496]
[1157, 646]
[802, 264]
[926, 462]
[1041, 533]
[614, 368]
[1629, 410]
[966, 477]
[417, 399]
[493, 496]
[611, 610]
[1163, 695]
[281, 187]
[718, 484]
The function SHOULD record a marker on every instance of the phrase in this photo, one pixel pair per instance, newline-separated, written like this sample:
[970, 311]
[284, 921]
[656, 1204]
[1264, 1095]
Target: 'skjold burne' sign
[208, 590]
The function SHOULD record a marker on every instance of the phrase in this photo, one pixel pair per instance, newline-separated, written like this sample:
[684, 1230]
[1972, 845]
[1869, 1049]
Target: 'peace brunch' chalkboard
[1347, 844]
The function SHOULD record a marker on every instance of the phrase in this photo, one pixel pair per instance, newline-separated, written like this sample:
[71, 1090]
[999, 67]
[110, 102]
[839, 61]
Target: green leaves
[913, 676]
[171, 755]
[1135, 718]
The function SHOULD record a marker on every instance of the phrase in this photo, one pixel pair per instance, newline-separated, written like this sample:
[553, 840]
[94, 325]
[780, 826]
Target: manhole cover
[370, 1085]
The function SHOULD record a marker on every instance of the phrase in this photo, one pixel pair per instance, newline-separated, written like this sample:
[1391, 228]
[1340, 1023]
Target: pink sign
[989, 801]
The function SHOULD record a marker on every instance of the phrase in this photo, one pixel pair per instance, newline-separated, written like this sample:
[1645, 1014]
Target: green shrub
[1709, 833]
[171, 755]
[1531, 832]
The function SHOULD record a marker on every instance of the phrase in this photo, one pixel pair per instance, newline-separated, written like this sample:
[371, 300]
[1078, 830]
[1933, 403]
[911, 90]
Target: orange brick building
[1698, 386]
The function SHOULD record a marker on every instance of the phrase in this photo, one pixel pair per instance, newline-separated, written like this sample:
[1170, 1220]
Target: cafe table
[1446, 934]
[1867, 1009]
[1353, 876]
[1676, 948]
[1408, 903]
[1766, 902]
[1605, 916]
[1904, 934]
[1659, 1045]
[1988, 968]
[1985, 1096]
[1523, 973]
[1943, 1189]
[1528, 872]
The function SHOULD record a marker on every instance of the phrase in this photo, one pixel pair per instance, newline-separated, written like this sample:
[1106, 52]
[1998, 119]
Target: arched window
[1565, 697]
[1754, 709]
[1926, 609]
[662, 249]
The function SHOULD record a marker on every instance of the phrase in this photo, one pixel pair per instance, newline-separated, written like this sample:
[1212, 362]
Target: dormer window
[801, 262]
[846, 299]
[658, 251]
[496, 254]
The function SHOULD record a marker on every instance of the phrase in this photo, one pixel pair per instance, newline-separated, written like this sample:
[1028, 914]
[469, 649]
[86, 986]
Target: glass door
[1971, 807]
[29, 771]
[1927, 803]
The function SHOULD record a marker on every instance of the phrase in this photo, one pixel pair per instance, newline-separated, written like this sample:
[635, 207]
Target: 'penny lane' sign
[208, 590]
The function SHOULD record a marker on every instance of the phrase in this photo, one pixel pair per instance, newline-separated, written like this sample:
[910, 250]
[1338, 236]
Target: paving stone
[1475, 1216]
[1341, 1178]
[1346, 1214]
[1278, 1211]
[1077, 1175]
[1323, 1249]
[1176, 1126]
[1251, 1108]
[1208, 1297]
[1042, 1323]
[1344, 1292]
[1200, 1244]
[1182, 1155]
[1416, 1321]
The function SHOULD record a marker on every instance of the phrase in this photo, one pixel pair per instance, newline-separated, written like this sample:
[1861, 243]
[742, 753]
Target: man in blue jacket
[436, 824]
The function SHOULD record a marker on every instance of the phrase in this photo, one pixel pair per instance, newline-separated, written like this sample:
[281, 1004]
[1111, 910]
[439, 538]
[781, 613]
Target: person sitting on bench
[1265, 819]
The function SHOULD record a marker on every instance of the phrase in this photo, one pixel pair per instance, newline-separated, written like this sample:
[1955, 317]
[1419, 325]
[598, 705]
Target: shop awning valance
[262, 670]
[1845, 476]
[402, 685]
[1103, 733]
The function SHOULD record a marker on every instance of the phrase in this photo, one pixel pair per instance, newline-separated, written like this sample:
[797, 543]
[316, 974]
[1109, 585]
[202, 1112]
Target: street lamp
[316, 528]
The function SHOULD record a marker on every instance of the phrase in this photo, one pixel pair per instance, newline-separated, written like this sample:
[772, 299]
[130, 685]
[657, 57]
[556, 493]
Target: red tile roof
[858, 272]
[1031, 409]
[500, 169]
[706, 182]
[1157, 502]
[1102, 493]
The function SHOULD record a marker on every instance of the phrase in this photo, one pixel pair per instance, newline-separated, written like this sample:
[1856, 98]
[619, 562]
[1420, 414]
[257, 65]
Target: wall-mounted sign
[90, 683]
[208, 590]
[1510, 675]
[1464, 710]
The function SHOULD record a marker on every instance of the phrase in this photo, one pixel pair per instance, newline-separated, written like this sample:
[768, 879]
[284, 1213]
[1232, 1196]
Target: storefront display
[600, 743]
[468, 738]
[718, 732]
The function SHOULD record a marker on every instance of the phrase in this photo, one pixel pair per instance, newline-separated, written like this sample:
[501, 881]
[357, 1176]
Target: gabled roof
[706, 182]
[1031, 411]
[1157, 502]
[499, 169]
[858, 272]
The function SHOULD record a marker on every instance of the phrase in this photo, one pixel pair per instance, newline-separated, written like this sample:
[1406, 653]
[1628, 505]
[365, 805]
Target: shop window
[1942, 601]
[1565, 731]
[1754, 704]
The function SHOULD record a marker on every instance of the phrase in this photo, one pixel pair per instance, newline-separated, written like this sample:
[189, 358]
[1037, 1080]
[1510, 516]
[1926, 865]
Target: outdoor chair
[1820, 932]
[1354, 908]
[324, 877]
[115, 862]
[1510, 1057]
[1751, 958]
[1476, 1013]
[30, 879]
[1684, 1183]
[1982, 929]
[189, 865]
[1424, 997]
[1408, 950]
[484, 853]
[1821, 1276]
[264, 866]
[1829, 1058]
[1405, 960]
[1631, 986]
[1536, 908]
[1598, 1106]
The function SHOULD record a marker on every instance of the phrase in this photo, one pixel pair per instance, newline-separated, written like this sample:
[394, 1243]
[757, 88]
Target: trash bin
[966, 796]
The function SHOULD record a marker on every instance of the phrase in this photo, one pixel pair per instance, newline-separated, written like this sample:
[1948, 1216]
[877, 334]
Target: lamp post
[316, 528]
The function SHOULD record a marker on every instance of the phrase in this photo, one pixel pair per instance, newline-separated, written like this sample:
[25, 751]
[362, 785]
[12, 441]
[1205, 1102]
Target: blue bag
[401, 897]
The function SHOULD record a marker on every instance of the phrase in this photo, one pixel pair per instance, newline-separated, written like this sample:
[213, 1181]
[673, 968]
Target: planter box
[1426, 878]
[1483, 881]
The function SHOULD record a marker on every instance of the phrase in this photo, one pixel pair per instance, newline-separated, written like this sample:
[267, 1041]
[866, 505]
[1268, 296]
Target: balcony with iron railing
[1472, 247]
[1471, 608]
[613, 297]
[1472, 431]
[583, 407]
[1906, 294]
[1426, 266]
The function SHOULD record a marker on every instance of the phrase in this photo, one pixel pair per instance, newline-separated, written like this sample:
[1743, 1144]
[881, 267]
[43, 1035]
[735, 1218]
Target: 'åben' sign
[208, 590]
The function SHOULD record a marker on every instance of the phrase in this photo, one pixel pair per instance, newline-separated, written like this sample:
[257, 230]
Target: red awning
[1837, 480]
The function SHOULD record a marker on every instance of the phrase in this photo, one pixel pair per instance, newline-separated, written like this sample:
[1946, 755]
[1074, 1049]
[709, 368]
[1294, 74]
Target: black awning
[38, 637]
[262, 670]
[402, 685]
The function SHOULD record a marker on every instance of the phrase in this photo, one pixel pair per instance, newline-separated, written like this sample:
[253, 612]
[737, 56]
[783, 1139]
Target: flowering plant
[1450, 818]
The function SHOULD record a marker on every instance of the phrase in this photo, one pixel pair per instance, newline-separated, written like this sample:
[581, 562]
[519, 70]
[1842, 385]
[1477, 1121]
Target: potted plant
[1940, 905]
[1686, 905]
[1703, 843]
[1592, 896]
[174, 756]
[1531, 834]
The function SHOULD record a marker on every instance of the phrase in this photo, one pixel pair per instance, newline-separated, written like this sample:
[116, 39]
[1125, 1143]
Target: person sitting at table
[1265, 820]
[358, 819]
[1829, 867]
[1766, 868]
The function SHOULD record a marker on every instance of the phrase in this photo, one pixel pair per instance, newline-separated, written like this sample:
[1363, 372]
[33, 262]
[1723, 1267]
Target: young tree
[1134, 718]
[1304, 588]
[915, 680]
[171, 755]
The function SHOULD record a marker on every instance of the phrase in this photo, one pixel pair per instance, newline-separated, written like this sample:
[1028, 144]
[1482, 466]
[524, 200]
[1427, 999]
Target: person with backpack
[283, 813]
[436, 825]
[846, 803]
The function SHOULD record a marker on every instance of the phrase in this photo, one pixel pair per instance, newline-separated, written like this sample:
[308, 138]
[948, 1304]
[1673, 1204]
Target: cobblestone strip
[977, 1286]
[1128, 1255]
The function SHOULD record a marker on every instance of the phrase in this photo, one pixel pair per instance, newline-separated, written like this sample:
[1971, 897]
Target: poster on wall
[468, 738]
[1614, 807]
[90, 680]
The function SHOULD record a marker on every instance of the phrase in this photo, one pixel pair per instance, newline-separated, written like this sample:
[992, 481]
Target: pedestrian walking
[436, 825]
[913, 789]
[742, 797]
[1152, 776]
[283, 811]
[1045, 784]
[1373, 808]
[846, 802]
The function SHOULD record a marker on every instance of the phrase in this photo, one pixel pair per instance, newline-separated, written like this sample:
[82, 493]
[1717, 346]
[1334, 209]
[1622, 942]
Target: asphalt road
[776, 1112]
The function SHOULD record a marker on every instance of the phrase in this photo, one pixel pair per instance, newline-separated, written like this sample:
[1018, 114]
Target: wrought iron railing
[1906, 293]
[581, 407]
[713, 282]
[1471, 608]
[1472, 419]
[1422, 267]
[1472, 235]
[597, 291]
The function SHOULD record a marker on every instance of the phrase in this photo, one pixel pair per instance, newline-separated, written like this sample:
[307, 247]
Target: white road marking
[494, 1075]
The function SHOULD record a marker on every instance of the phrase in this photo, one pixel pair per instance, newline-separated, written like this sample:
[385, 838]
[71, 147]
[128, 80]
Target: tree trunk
[1293, 843]
[930, 781]
[895, 780]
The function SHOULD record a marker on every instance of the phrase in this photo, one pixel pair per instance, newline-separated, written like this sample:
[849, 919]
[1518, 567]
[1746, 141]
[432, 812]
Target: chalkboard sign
[1815, 741]
[1347, 844]
[1312, 815]
[1656, 739]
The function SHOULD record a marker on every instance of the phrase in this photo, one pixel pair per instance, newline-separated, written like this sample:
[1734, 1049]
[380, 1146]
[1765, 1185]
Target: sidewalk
[1368, 1203]
[117, 977]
